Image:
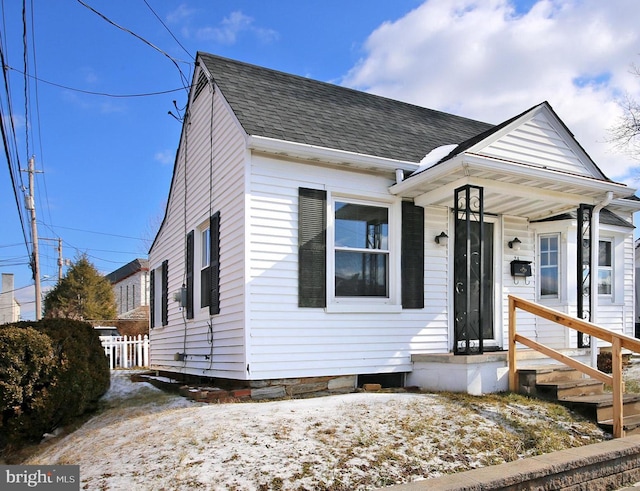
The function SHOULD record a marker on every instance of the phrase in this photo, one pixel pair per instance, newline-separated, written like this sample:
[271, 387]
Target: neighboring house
[637, 287]
[9, 306]
[316, 231]
[131, 289]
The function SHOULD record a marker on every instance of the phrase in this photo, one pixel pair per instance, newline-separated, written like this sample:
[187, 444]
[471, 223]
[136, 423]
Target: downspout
[593, 274]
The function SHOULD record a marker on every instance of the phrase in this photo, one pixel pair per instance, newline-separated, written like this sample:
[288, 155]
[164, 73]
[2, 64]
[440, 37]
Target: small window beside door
[605, 268]
[549, 284]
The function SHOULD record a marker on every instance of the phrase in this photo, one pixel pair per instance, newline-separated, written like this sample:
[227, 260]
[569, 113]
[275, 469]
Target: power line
[25, 61]
[137, 36]
[93, 232]
[13, 158]
[90, 92]
[168, 30]
[37, 107]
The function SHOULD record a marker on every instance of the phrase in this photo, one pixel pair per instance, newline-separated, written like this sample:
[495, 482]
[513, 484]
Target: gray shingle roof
[127, 270]
[607, 217]
[292, 108]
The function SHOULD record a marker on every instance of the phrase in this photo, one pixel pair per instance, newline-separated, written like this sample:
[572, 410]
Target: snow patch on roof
[433, 157]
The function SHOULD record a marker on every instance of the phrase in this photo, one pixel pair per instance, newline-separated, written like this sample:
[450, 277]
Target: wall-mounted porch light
[515, 244]
[442, 239]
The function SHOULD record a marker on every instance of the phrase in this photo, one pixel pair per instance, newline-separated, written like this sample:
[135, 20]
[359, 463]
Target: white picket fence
[126, 351]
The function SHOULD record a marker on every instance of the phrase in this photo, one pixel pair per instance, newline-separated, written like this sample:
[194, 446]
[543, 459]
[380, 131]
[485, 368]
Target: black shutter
[152, 298]
[190, 265]
[214, 264]
[165, 292]
[312, 248]
[412, 256]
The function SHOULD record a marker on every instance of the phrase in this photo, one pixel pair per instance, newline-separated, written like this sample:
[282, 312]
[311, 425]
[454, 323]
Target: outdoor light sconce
[442, 239]
[515, 244]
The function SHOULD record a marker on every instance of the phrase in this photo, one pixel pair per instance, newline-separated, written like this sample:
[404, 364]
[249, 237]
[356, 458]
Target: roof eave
[469, 161]
[327, 155]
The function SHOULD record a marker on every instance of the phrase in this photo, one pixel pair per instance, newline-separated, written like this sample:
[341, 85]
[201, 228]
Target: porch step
[562, 389]
[599, 407]
[535, 378]
[630, 424]
[586, 396]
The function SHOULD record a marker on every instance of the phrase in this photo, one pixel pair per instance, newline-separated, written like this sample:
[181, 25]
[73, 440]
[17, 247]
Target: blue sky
[107, 161]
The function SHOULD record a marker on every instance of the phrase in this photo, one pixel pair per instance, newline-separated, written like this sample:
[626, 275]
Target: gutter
[593, 273]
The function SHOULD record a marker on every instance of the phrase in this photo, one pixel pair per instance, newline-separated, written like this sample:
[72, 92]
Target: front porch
[475, 374]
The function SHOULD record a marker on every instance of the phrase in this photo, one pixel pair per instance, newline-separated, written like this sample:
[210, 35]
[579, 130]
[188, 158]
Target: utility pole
[35, 260]
[60, 260]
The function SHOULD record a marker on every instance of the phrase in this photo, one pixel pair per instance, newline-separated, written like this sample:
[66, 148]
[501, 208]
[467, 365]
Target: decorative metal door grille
[469, 270]
[585, 239]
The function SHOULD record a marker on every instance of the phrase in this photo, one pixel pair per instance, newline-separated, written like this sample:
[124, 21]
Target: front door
[473, 287]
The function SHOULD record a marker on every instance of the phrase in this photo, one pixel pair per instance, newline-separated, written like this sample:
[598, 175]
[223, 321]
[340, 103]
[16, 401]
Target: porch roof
[512, 188]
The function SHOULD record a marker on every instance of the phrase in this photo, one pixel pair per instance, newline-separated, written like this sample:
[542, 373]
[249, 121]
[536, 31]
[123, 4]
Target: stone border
[256, 390]
[606, 465]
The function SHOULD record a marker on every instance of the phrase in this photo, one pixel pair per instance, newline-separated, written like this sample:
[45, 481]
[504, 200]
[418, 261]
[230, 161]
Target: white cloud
[231, 27]
[165, 157]
[486, 61]
[181, 14]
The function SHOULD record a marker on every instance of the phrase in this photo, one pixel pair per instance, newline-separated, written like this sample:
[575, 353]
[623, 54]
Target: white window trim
[390, 304]
[157, 292]
[560, 266]
[198, 266]
[608, 297]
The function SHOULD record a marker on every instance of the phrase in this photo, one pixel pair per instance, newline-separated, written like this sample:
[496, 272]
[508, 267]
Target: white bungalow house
[320, 235]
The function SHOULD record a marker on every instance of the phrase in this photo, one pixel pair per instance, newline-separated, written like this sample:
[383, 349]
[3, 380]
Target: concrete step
[599, 407]
[560, 389]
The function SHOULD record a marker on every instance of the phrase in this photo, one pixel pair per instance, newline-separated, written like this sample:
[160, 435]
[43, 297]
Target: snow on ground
[146, 439]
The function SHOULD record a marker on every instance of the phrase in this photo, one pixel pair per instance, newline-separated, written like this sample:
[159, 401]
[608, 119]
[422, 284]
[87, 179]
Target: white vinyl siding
[540, 142]
[225, 356]
[313, 341]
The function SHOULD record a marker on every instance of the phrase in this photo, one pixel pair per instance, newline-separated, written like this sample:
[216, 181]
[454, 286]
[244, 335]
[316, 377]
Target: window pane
[360, 274]
[549, 277]
[204, 287]
[604, 253]
[360, 226]
[604, 282]
[549, 281]
[205, 248]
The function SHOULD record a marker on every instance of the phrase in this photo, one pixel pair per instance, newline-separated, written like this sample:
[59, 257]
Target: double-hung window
[549, 266]
[205, 255]
[605, 268]
[356, 254]
[361, 250]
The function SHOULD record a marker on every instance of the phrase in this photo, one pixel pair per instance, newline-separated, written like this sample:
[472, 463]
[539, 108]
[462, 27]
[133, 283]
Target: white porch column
[593, 273]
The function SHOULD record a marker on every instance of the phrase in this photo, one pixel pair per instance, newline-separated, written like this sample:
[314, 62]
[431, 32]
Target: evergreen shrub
[68, 381]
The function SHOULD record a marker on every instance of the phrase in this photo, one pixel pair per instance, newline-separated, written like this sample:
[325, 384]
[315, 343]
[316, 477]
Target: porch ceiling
[509, 189]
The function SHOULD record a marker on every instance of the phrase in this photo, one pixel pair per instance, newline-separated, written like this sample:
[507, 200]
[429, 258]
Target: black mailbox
[520, 268]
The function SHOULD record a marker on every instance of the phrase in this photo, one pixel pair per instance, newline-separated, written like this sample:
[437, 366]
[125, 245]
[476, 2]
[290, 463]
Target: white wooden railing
[126, 351]
[617, 341]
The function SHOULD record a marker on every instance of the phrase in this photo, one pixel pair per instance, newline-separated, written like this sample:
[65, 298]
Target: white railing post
[513, 383]
[139, 351]
[146, 350]
[124, 363]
